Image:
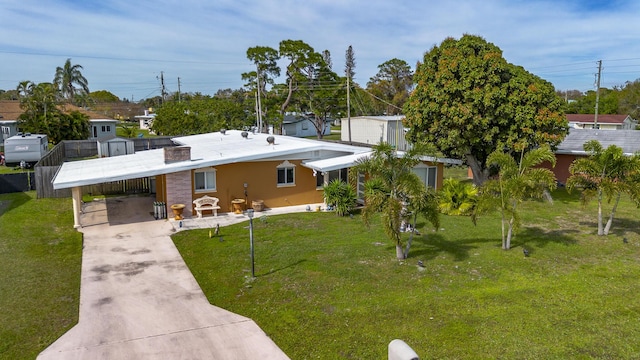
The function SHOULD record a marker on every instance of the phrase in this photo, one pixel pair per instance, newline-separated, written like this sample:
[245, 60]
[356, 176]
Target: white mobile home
[373, 130]
[27, 147]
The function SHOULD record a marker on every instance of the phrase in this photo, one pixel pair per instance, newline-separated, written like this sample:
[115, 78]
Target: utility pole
[179, 99]
[162, 88]
[595, 118]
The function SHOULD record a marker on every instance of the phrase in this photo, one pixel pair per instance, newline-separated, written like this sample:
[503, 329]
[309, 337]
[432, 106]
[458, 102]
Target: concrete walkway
[138, 300]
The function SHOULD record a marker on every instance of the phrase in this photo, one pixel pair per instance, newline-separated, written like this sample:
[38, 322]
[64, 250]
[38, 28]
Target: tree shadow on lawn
[620, 227]
[433, 244]
[533, 237]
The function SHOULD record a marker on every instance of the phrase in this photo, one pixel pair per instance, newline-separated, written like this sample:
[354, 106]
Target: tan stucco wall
[261, 179]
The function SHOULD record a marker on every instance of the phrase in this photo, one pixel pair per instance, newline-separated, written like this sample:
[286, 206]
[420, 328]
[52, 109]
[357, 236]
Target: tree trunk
[399, 252]
[507, 245]
[413, 231]
[613, 212]
[502, 221]
[479, 174]
[600, 229]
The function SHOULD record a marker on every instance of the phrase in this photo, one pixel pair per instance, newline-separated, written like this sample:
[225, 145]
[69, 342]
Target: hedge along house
[279, 170]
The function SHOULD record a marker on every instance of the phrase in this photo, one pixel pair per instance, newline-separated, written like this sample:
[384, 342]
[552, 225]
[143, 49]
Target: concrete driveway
[138, 300]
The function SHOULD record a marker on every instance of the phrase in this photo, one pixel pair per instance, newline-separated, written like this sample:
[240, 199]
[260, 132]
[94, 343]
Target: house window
[108, 128]
[205, 180]
[286, 174]
[340, 174]
[428, 174]
[103, 128]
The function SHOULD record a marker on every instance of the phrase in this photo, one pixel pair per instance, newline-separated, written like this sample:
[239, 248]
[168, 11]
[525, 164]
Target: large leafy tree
[66, 79]
[42, 114]
[392, 85]
[605, 173]
[393, 189]
[39, 104]
[302, 62]
[469, 101]
[202, 114]
[322, 93]
[517, 180]
[266, 61]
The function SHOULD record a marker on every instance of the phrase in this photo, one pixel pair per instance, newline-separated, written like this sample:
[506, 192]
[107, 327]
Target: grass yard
[329, 288]
[40, 257]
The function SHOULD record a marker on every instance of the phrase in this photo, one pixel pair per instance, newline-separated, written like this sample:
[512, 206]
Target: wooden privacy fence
[47, 168]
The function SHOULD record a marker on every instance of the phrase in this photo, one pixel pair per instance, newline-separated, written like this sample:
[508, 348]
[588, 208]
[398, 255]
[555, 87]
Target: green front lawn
[328, 287]
[40, 257]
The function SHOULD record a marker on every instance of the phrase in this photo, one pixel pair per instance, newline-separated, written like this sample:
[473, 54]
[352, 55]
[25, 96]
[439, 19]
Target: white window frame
[207, 173]
[285, 166]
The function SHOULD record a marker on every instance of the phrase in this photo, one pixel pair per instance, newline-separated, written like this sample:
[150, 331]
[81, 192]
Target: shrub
[341, 196]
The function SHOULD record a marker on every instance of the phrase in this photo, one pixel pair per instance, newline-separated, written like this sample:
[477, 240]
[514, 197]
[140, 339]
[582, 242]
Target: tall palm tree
[67, 77]
[516, 182]
[393, 189]
[605, 172]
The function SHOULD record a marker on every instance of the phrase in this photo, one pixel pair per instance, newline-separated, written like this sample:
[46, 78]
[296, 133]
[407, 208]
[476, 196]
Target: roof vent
[222, 131]
[245, 134]
[271, 140]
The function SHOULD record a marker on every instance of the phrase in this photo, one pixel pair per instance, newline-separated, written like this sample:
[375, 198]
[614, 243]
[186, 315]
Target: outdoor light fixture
[250, 215]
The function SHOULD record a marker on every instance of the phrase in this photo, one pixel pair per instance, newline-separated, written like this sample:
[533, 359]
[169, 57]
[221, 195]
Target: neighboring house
[9, 112]
[605, 121]
[372, 130]
[288, 171]
[8, 128]
[572, 147]
[102, 129]
[146, 120]
[300, 125]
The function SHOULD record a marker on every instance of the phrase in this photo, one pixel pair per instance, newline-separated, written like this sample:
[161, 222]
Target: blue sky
[124, 45]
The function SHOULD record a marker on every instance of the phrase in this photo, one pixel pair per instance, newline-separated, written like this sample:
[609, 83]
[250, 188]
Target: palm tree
[393, 190]
[67, 77]
[516, 182]
[605, 172]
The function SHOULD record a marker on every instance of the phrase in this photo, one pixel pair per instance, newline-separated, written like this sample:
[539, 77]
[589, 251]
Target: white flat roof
[211, 149]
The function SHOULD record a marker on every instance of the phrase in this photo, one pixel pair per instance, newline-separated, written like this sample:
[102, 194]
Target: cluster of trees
[311, 86]
[43, 105]
[470, 103]
[623, 99]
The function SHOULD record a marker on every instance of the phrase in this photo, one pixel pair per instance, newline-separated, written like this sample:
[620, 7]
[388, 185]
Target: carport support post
[76, 196]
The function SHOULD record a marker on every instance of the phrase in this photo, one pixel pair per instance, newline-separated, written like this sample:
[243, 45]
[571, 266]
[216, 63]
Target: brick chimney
[177, 153]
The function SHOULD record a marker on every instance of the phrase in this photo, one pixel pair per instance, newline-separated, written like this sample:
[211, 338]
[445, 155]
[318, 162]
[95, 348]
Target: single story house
[302, 125]
[572, 147]
[102, 129]
[232, 166]
[374, 130]
[146, 121]
[9, 112]
[8, 128]
[605, 121]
